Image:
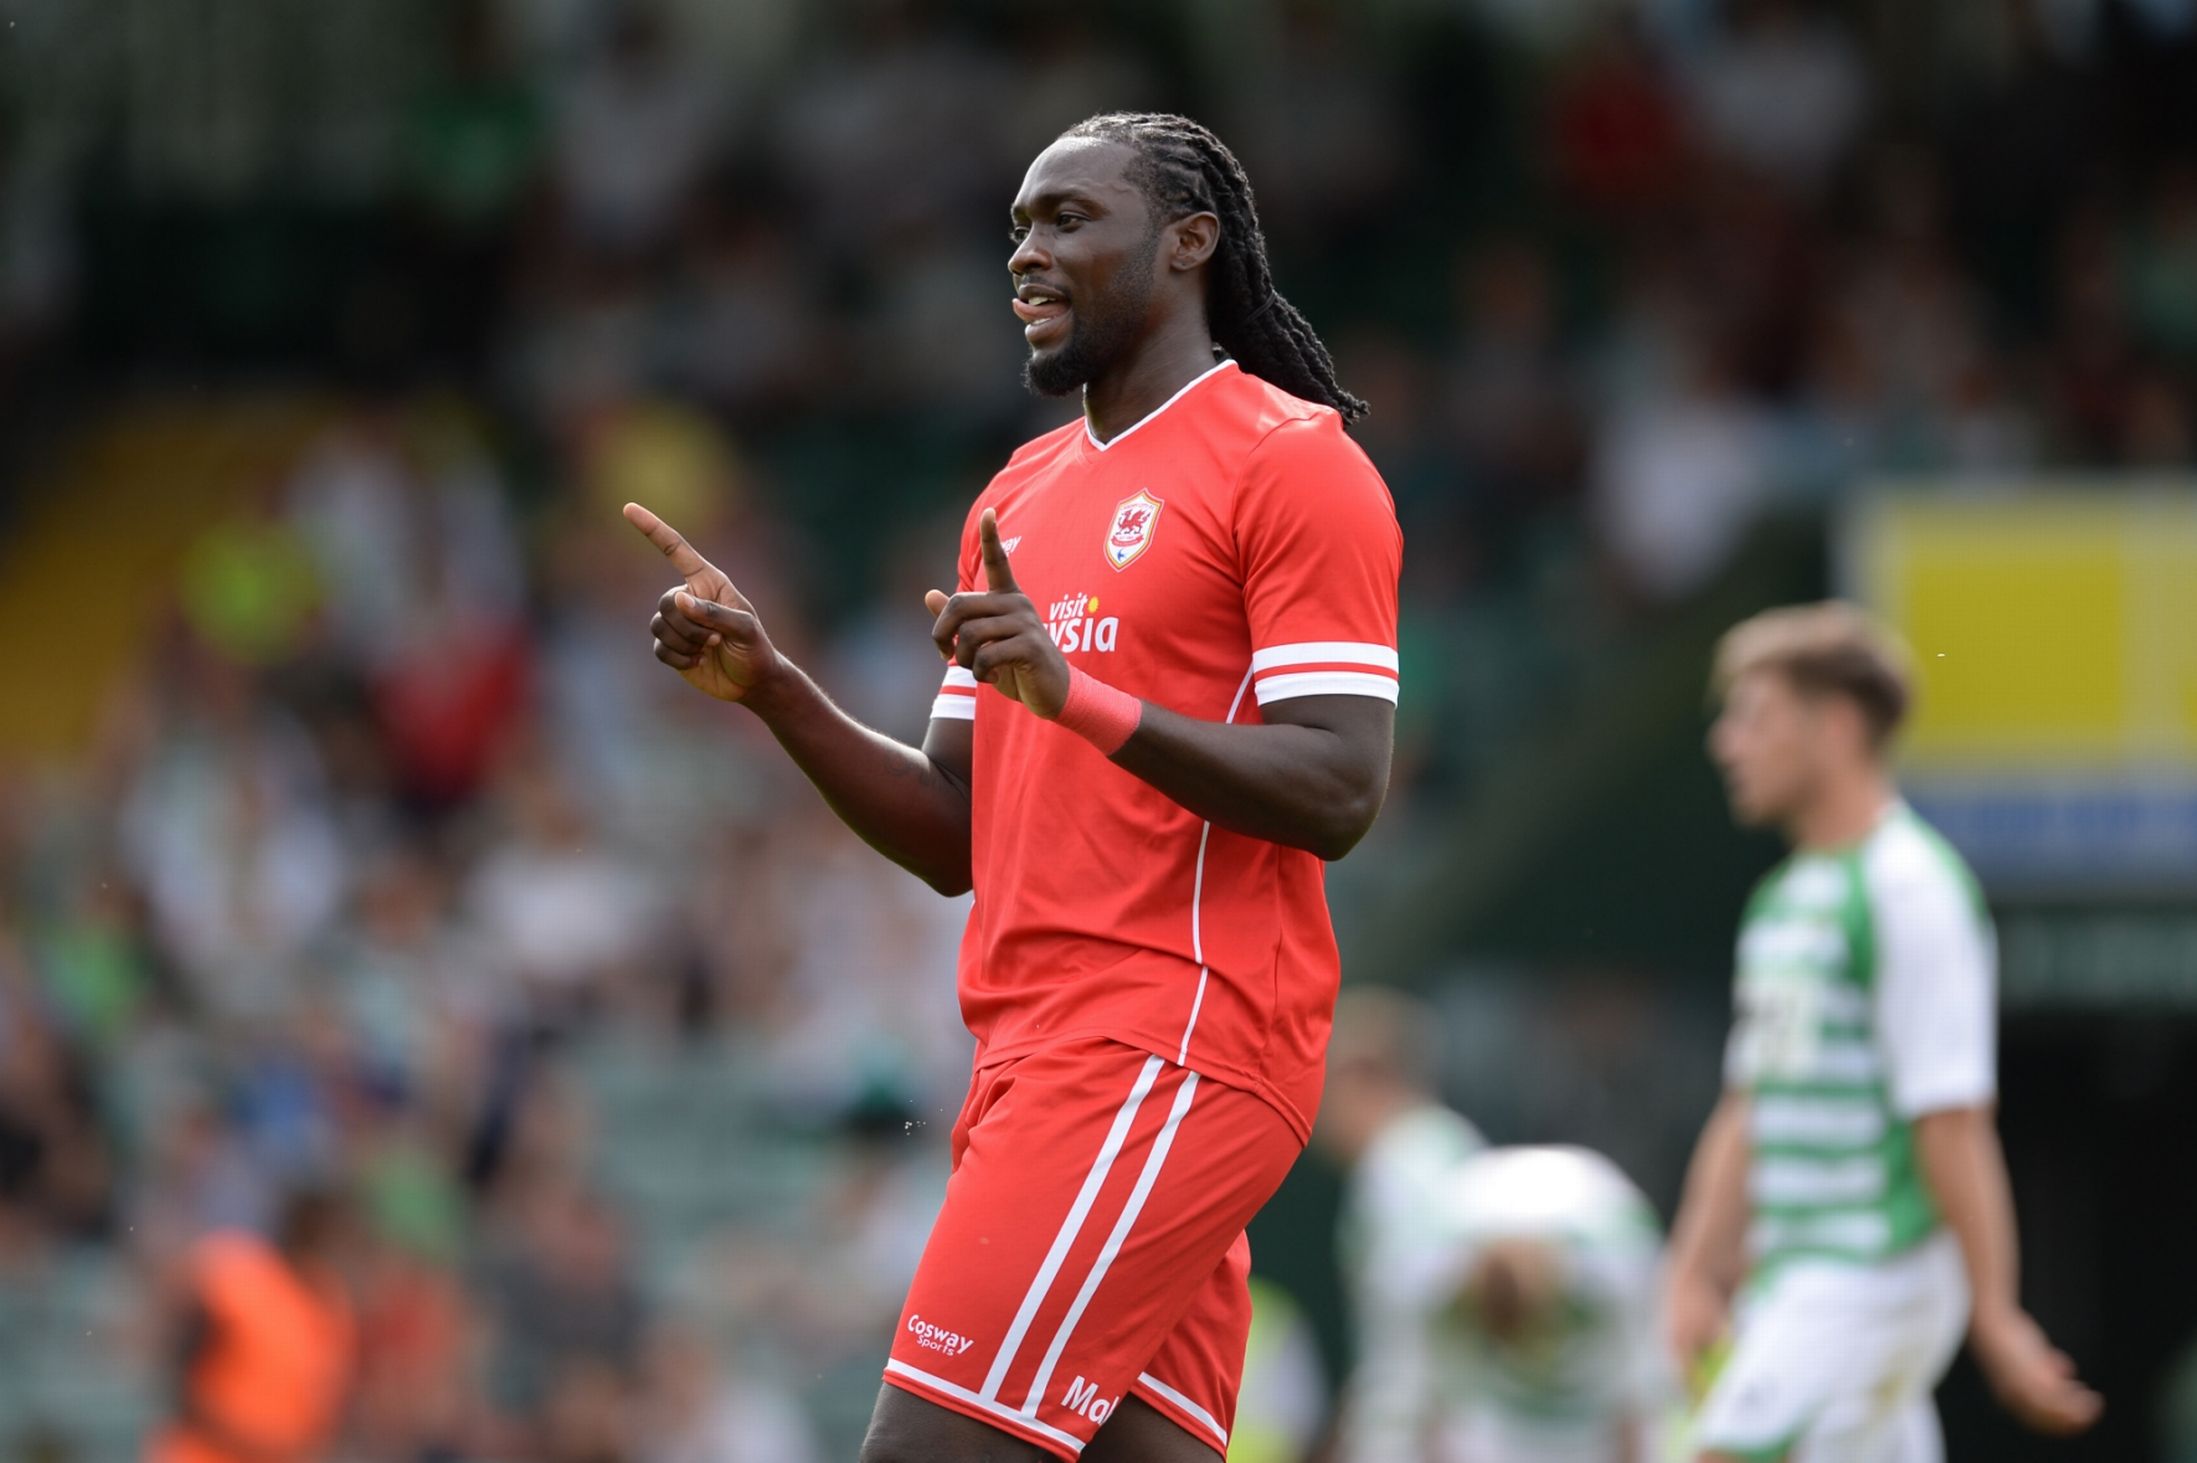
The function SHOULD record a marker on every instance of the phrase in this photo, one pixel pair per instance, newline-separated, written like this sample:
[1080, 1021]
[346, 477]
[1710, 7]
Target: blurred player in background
[1544, 1330]
[1382, 1120]
[1851, 1176]
[1192, 670]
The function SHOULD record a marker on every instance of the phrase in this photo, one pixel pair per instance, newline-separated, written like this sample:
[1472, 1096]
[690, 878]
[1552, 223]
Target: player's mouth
[1043, 312]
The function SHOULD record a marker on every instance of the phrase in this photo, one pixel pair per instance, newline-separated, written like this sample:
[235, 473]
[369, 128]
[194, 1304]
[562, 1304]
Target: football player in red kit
[1169, 697]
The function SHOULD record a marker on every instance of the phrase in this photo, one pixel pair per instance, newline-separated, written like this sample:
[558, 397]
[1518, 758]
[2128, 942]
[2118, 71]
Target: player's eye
[1068, 221]
[1017, 233]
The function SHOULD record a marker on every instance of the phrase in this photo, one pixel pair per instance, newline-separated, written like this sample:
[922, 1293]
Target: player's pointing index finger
[665, 537]
[998, 576]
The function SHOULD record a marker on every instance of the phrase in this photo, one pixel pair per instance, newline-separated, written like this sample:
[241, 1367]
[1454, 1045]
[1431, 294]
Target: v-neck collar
[1092, 437]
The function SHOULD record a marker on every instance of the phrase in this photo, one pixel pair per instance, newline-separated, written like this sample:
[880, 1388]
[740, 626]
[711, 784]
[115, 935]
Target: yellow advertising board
[2055, 636]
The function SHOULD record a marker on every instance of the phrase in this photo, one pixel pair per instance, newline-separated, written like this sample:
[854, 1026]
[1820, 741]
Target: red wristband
[1103, 715]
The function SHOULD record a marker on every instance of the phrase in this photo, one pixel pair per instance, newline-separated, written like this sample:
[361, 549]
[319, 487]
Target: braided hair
[1183, 168]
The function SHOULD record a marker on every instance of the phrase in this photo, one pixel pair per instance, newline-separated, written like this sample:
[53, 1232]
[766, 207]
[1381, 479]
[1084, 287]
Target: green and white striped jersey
[1865, 999]
[1595, 1360]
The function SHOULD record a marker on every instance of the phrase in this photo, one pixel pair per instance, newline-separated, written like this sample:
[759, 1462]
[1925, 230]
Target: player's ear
[1193, 240]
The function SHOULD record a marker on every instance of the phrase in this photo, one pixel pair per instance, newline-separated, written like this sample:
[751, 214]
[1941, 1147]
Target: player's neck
[1847, 811]
[1169, 360]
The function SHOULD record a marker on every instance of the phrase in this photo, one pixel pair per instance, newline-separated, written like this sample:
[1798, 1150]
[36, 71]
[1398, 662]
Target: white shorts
[1835, 1363]
[1493, 1437]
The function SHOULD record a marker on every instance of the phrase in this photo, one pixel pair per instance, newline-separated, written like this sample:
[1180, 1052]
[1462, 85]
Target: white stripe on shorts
[1071, 1226]
[997, 1409]
[1130, 1211]
[1186, 1405]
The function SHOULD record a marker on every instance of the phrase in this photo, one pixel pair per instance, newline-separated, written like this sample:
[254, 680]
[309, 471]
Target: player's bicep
[950, 743]
[1364, 729]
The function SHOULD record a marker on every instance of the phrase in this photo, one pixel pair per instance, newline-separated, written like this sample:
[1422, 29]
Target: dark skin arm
[911, 806]
[1312, 777]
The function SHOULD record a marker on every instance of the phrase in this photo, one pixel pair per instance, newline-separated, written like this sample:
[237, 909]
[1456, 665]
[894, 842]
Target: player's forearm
[1958, 1151]
[895, 798]
[1303, 786]
[1708, 1238]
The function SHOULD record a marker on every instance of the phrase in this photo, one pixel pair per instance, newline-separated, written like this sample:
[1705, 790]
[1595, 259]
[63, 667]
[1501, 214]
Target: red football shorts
[1091, 1246]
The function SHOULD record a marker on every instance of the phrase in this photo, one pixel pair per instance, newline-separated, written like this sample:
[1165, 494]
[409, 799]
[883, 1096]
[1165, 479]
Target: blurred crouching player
[1545, 1328]
[1503, 1299]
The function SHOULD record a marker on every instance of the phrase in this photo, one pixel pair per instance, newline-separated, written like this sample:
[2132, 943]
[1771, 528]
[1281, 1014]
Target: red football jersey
[1233, 549]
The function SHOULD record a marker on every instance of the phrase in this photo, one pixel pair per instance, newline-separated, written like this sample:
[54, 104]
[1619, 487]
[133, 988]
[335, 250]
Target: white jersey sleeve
[1936, 976]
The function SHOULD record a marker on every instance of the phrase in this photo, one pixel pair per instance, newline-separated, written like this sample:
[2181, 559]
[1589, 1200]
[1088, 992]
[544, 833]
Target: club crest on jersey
[1136, 517]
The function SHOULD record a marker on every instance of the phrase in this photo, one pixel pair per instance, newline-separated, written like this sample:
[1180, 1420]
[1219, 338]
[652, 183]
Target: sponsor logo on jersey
[1074, 623]
[1083, 1399]
[1136, 518]
[938, 1338]
[1008, 545]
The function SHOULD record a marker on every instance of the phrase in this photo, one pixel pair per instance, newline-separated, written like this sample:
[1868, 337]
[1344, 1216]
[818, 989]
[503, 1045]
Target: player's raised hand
[2033, 1378]
[704, 628]
[997, 636]
[999, 575]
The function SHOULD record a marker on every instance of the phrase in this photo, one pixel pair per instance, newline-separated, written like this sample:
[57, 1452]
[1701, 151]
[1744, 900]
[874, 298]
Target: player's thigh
[1790, 1363]
[1141, 1433]
[904, 1428]
[1919, 1437]
[1914, 1313]
[1896, 1422]
[1196, 1375]
[1098, 1193]
[1831, 1358]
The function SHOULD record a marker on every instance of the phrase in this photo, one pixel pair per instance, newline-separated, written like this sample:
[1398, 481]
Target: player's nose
[1029, 257]
[1719, 742]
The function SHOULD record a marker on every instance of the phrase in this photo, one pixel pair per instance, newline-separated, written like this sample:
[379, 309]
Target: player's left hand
[2033, 1378]
[997, 636]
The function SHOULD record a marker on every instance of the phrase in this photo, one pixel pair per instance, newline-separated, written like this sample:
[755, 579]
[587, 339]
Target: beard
[1103, 331]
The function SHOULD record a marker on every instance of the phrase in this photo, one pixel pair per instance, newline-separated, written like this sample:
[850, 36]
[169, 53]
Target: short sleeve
[956, 700]
[1321, 553]
[1936, 983]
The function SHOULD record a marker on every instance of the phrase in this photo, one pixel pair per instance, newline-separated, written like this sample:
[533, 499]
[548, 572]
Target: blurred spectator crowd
[376, 876]
[397, 862]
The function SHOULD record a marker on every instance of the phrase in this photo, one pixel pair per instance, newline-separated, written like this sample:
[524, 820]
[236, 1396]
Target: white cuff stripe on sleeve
[1327, 683]
[958, 676]
[954, 708]
[1324, 652]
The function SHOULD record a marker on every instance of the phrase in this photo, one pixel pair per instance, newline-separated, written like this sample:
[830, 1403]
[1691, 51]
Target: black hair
[1182, 168]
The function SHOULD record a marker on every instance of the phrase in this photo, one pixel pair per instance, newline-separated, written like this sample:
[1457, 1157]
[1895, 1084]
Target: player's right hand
[1696, 1317]
[704, 628]
[2033, 1378]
